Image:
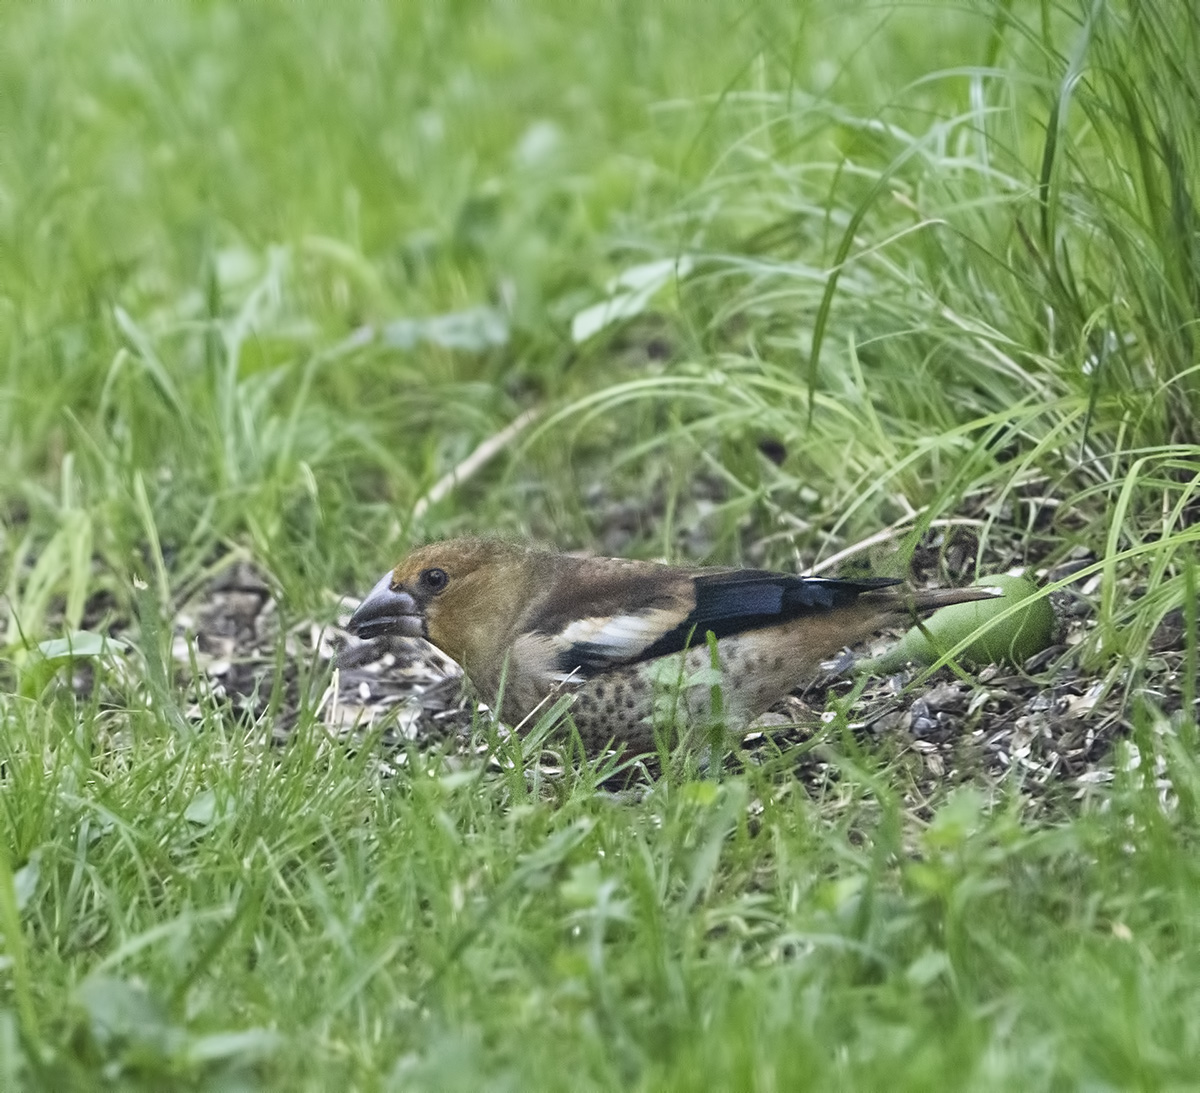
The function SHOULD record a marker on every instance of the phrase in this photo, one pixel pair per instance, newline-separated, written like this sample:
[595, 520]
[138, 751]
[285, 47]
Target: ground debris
[227, 648]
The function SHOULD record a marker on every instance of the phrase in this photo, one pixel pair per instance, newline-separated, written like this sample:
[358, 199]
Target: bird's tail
[923, 601]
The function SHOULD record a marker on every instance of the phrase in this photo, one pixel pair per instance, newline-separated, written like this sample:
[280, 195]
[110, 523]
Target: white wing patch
[618, 637]
[586, 645]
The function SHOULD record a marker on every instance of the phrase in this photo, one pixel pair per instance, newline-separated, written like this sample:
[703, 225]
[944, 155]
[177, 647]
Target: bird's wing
[636, 613]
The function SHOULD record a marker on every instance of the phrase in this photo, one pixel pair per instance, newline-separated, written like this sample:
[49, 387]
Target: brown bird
[629, 639]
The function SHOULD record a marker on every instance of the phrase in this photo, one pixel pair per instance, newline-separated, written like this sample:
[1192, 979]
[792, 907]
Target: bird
[635, 643]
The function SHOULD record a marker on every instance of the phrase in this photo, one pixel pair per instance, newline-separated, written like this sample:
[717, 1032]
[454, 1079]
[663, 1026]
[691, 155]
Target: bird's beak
[387, 611]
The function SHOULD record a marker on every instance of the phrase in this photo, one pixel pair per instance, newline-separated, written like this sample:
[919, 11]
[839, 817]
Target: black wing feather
[723, 602]
[729, 603]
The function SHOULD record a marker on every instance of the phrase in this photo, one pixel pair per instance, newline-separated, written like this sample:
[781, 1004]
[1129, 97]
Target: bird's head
[463, 595]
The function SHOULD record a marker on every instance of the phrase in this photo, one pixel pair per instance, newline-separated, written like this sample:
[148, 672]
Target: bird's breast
[625, 703]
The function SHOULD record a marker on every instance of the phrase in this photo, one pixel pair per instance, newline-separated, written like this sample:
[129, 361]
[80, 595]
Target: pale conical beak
[387, 611]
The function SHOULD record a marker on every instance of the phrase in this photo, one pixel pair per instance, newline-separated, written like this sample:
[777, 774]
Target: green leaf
[80, 643]
[243, 1047]
[25, 879]
[629, 293]
[124, 1010]
[202, 809]
[36, 667]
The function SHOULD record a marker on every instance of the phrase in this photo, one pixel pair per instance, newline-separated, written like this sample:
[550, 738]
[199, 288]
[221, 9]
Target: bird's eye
[434, 579]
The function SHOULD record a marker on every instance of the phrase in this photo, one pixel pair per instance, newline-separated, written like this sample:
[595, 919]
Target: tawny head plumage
[463, 595]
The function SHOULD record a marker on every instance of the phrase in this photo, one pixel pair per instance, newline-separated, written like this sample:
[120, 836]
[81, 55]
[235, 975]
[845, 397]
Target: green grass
[944, 259]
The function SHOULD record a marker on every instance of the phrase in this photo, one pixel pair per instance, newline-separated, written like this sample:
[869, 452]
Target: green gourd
[1012, 641]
